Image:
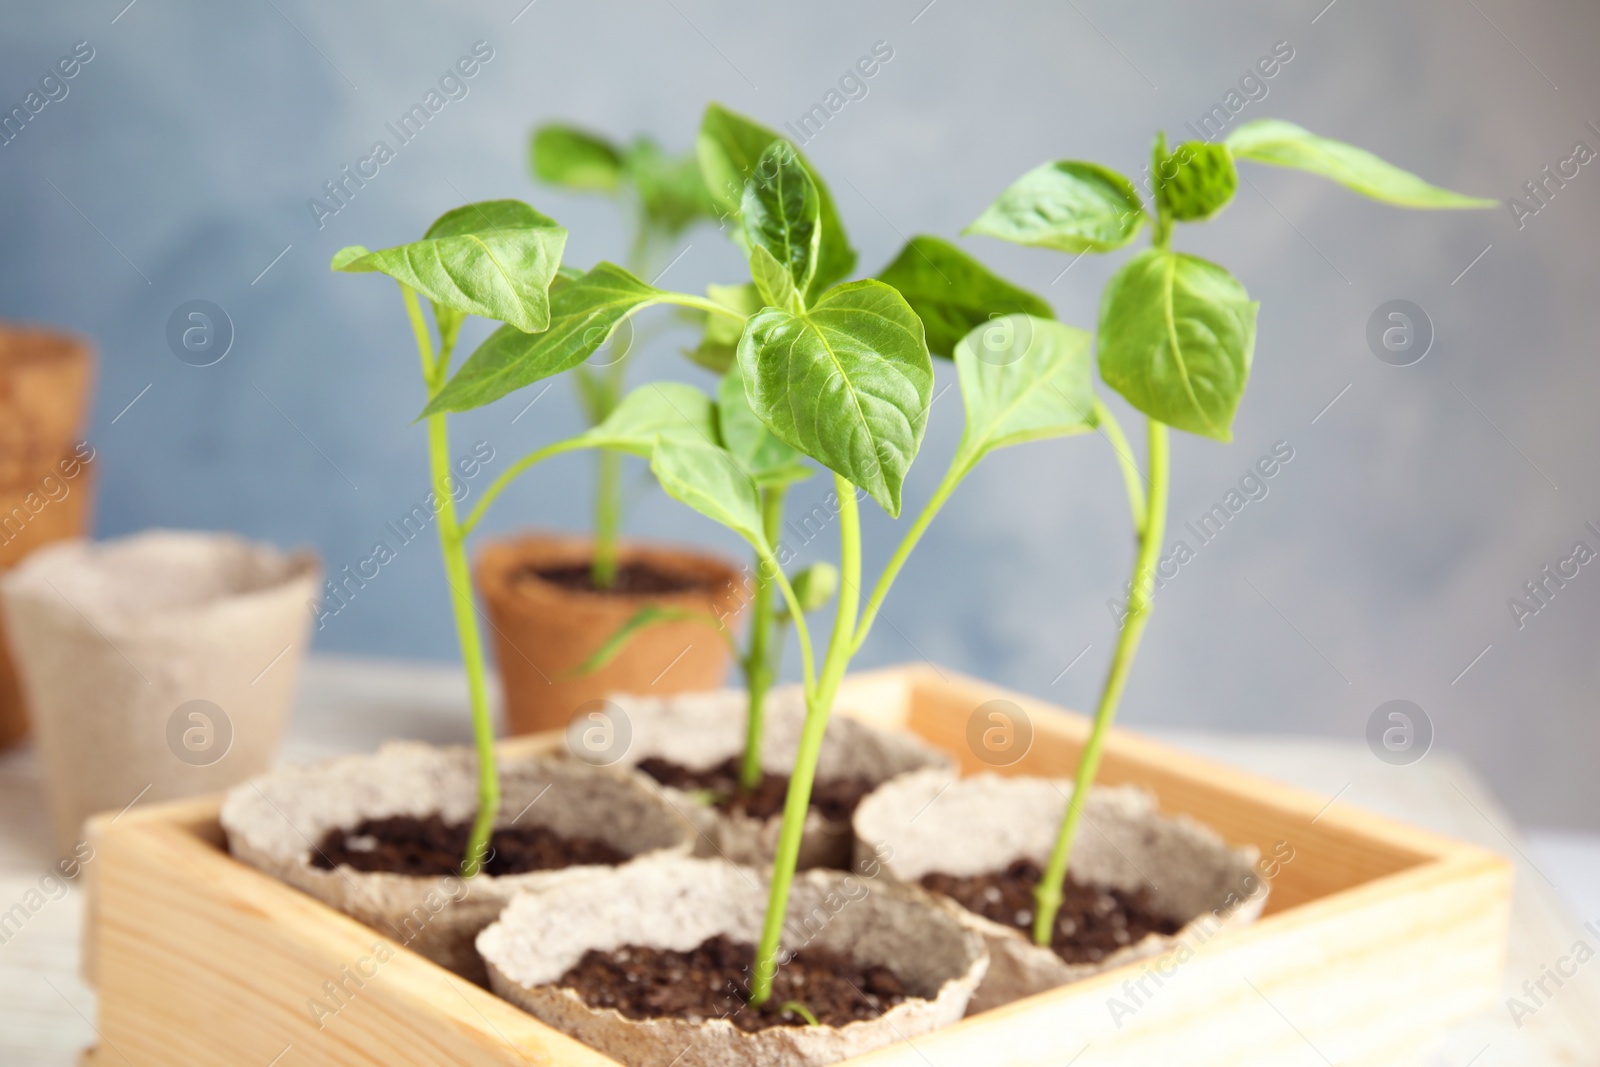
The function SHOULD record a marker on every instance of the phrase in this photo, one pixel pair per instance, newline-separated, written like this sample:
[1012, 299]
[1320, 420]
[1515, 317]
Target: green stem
[1129, 466]
[607, 519]
[758, 668]
[841, 645]
[452, 546]
[700, 304]
[960, 467]
[498, 486]
[1047, 896]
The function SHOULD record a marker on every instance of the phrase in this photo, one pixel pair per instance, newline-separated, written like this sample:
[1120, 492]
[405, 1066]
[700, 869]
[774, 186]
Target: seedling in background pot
[1176, 336]
[665, 196]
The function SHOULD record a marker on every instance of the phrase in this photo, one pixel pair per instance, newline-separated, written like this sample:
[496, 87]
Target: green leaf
[728, 147]
[1197, 180]
[671, 192]
[848, 383]
[1283, 144]
[347, 255]
[710, 481]
[815, 586]
[750, 441]
[716, 349]
[1023, 379]
[653, 412]
[495, 259]
[575, 159]
[781, 213]
[952, 292]
[1067, 205]
[583, 313]
[646, 617]
[1176, 337]
[774, 284]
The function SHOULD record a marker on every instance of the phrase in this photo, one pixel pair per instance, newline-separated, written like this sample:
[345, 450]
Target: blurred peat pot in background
[156, 666]
[46, 483]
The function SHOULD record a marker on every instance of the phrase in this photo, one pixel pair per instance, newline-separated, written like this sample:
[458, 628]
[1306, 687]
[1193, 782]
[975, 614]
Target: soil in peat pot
[1093, 921]
[834, 799]
[633, 578]
[709, 982]
[406, 844]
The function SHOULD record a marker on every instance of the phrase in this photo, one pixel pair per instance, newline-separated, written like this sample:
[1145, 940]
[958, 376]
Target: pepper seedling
[1176, 337]
[496, 259]
[665, 197]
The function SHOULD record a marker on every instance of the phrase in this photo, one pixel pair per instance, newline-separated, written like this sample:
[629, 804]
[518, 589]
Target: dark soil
[1092, 924]
[836, 799]
[405, 844]
[634, 578]
[709, 982]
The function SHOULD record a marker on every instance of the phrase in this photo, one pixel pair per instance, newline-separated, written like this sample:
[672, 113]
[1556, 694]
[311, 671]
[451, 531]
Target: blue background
[1380, 564]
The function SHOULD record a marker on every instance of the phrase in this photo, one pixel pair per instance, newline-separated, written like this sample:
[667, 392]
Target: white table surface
[47, 1013]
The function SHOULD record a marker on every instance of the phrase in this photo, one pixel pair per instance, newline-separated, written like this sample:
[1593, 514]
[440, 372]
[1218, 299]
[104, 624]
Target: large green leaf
[715, 352]
[781, 212]
[1283, 144]
[848, 383]
[710, 481]
[728, 147]
[1197, 180]
[575, 159]
[1037, 384]
[654, 412]
[495, 259]
[583, 313]
[751, 441]
[1176, 337]
[1067, 205]
[952, 292]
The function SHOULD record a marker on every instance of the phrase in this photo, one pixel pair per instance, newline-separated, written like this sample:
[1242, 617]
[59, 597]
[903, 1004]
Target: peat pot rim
[245, 575]
[339, 792]
[502, 562]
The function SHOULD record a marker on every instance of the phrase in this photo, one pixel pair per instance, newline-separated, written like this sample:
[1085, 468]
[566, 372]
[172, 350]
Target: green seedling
[1175, 339]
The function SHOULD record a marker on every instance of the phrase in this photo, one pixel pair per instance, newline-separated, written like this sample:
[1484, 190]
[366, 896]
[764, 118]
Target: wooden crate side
[1430, 939]
[203, 960]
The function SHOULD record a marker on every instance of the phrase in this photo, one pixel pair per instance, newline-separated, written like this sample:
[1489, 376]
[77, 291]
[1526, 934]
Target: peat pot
[930, 823]
[680, 904]
[294, 822]
[156, 666]
[696, 731]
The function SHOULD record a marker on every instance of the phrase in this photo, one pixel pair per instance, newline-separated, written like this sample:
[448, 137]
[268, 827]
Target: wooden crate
[1376, 937]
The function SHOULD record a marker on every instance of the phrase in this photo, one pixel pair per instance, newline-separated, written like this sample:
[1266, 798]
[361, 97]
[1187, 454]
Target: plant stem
[1047, 897]
[960, 467]
[452, 546]
[1125, 461]
[758, 668]
[819, 704]
[607, 519]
